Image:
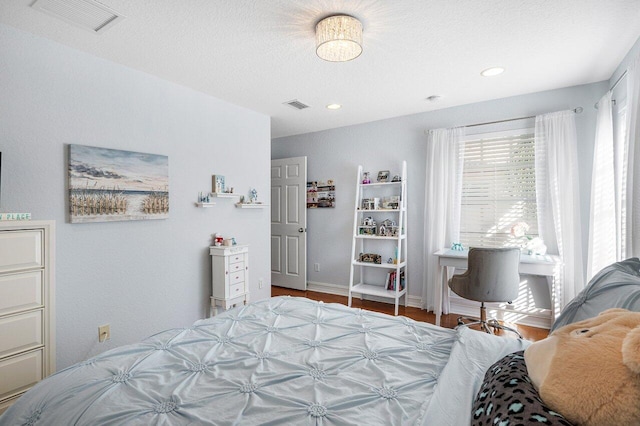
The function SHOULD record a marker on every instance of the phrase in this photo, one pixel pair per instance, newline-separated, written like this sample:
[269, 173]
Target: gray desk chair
[491, 276]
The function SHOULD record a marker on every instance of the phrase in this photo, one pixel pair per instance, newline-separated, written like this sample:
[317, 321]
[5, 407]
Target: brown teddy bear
[589, 371]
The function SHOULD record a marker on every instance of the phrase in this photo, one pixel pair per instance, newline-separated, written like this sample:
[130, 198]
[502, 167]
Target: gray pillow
[616, 286]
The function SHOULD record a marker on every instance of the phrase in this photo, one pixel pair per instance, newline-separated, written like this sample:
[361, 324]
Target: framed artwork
[217, 184]
[107, 185]
[383, 176]
[321, 194]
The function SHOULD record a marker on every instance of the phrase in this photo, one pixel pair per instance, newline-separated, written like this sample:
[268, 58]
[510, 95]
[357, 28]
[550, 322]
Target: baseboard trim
[458, 306]
[327, 288]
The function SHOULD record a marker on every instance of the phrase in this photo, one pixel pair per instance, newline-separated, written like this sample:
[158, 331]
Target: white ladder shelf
[368, 278]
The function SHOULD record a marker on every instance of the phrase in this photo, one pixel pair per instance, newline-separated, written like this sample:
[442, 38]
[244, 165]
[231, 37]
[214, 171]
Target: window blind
[498, 191]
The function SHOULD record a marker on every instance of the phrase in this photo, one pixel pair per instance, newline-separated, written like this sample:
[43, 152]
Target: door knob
[300, 229]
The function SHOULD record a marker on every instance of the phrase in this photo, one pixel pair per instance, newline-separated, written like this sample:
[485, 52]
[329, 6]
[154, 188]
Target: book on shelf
[391, 280]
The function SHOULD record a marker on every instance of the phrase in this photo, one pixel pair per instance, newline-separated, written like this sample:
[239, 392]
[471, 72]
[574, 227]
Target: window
[498, 189]
[620, 167]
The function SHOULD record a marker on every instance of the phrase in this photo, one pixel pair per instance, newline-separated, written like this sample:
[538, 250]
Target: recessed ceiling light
[490, 72]
[434, 98]
[334, 106]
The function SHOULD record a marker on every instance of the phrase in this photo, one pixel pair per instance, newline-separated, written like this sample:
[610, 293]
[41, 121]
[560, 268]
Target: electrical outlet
[260, 283]
[316, 267]
[104, 333]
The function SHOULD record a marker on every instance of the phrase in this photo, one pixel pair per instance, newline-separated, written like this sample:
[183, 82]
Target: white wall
[384, 144]
[141, 276]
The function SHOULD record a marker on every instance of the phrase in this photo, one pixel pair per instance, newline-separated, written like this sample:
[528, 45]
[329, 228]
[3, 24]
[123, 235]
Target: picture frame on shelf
[391, 203]
[217, 184]
[368, 204]
[367, 230]
[370, 258]
[383, 176]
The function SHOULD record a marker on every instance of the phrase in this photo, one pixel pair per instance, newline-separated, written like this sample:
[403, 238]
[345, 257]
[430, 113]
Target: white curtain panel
[443, 189]
[632, 142]
[602, 224]
[557, 198]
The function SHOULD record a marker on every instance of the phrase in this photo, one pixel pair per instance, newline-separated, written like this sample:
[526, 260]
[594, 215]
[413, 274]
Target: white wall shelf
[375, 237]
[380, 265]
[205, 205]
[224, 195]
[251, 206]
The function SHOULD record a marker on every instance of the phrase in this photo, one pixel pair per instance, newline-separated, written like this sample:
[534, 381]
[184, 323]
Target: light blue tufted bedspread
[281, 361]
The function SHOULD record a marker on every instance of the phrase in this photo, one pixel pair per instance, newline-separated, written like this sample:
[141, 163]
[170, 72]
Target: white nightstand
[229, 276]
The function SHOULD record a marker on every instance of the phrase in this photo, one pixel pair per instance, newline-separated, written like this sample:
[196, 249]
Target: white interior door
[289, 223]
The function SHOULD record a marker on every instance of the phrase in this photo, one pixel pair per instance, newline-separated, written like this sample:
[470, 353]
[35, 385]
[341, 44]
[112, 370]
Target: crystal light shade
[339, 38]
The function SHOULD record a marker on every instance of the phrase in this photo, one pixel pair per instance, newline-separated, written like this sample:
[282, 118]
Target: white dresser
[27, 311]
[229, 276]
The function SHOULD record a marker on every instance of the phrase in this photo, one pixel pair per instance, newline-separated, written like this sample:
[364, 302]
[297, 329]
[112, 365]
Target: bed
[278, 361]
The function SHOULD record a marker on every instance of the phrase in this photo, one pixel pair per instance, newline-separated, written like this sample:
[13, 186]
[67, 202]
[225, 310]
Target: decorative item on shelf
[368, 226]
[388, 228]
[366, 178]
[457, 247]
[253, 196]
[368, 204]
[390, 260]
[217, 239]
[367, 230]
[252, 202]
[383, 176]
[228, 242]
[233, 241]
[370, 258]
[204, 198]
[229, 190]
[391, 203]
[396, 178]
[217, 183]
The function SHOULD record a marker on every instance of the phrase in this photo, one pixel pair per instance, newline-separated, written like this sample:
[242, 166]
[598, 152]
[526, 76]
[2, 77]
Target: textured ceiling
[259, 54]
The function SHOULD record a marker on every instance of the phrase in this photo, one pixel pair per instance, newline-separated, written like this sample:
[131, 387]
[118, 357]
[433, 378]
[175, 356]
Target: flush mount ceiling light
[490, 72]
[334, 106]
[339, 38]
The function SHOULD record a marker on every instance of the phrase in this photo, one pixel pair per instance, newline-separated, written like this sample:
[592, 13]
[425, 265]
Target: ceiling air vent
[87, 14]
[296, 104]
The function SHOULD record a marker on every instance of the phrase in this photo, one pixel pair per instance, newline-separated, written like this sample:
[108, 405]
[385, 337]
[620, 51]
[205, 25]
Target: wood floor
[449, 321]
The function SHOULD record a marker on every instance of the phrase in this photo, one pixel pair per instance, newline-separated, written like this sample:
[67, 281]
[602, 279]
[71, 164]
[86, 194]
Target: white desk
[547, 266]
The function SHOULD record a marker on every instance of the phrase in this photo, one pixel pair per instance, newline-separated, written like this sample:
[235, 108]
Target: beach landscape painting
[108, 185]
